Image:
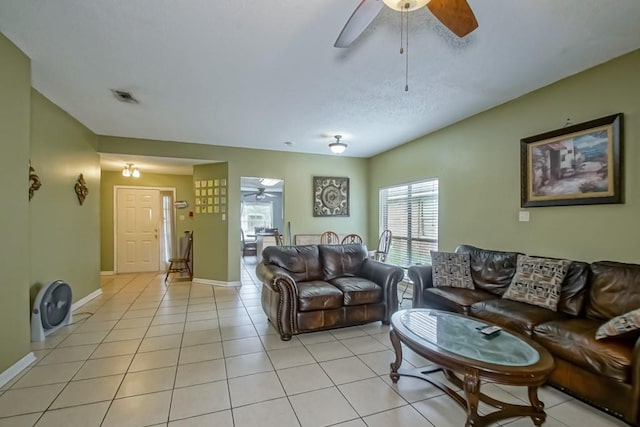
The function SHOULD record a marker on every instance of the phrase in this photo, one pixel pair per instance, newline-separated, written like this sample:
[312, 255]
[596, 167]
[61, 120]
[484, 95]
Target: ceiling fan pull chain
[406, 69]
[401, 32]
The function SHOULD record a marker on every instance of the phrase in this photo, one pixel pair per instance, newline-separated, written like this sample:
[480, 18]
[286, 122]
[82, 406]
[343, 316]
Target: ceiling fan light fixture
[405, 5]
[337, 147]
[130, 171]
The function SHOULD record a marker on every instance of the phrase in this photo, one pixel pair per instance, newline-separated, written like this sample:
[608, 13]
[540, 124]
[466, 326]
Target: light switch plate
[523, 216]
[181, 217]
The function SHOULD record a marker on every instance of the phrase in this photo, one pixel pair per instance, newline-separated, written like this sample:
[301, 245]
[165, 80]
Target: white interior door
[137, 222]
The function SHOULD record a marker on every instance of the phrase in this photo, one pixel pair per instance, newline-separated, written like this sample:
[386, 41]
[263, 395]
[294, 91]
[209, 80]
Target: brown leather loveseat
[313, 287]
[606, 372]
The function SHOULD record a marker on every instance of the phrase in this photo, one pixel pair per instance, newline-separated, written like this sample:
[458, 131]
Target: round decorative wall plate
[330, 196]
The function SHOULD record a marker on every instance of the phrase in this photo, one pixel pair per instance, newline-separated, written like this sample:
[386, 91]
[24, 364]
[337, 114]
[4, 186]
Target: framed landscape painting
[575, 165]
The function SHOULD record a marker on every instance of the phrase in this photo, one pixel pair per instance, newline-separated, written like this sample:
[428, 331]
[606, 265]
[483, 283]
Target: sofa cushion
[318, 295]
[574, 341]
[620, 325]
[342, 260]
[455, 299]
[490, 270]
[615, 289]
[514, 315]
[538, 281]
[451, 270]
[358, 291]
[301, 262]
[574, 289]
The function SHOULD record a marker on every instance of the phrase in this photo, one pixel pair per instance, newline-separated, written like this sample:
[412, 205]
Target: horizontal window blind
[410, 211]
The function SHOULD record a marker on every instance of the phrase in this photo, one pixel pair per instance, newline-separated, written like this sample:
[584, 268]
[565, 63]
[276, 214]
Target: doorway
[261, 205]
[261, 214]
[140, 228]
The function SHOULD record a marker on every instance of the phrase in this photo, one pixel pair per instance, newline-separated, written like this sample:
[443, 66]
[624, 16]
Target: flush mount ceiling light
[337, 147]
[130, 170]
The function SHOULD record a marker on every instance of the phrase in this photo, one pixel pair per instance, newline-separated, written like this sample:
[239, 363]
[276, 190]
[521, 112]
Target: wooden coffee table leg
[539, 418]
[471, 385]
[397, 348]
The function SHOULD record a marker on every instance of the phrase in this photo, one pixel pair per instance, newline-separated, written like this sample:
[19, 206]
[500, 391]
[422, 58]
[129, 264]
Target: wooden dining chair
[279, 238]
[384, 243]
[182, 263]
[249, 247]
[351, 238]
[329, 238]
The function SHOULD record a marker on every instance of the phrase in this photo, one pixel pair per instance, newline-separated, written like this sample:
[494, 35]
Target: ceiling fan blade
[360, 19]
[456, 15]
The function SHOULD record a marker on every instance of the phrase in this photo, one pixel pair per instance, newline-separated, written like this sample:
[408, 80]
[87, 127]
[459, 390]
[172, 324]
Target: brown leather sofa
[605, 373]
[313, 287]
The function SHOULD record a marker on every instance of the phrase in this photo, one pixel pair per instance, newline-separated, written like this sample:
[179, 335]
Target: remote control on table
[490, 331]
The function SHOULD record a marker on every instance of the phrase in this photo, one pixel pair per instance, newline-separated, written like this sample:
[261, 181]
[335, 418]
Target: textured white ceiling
[259, 73]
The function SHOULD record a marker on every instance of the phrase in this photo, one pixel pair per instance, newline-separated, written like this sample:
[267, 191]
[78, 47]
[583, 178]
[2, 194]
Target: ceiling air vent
[124, 96]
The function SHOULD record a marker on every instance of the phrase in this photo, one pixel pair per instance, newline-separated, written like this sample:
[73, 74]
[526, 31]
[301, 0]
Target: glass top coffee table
[454, 344]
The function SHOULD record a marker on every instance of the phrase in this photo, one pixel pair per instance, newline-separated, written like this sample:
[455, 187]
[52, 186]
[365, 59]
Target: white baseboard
[16, 368]
[215, 282]
[76, 305]
[107, 273]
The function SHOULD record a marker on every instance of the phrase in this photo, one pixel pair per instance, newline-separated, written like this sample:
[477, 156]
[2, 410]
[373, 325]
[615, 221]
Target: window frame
[417, 194]
[244, 214]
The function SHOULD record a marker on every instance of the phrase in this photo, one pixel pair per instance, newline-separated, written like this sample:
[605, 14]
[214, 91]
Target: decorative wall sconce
[34, 181]
[130, 170]
[81, 189]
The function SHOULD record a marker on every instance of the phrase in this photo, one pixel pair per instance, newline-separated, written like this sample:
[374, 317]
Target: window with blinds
[410, 211]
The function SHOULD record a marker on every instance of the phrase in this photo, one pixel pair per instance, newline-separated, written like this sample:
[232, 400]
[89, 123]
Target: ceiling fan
[456, 15]
[260, 194]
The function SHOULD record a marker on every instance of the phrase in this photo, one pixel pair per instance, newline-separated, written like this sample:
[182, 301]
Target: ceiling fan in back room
[261, 194]
[456, 15]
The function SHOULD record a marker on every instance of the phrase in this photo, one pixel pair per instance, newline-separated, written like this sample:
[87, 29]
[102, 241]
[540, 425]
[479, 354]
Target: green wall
[297, 170]
[15, 86]
[478, 163]
[65, 236]
[182, 184]
[211, 234]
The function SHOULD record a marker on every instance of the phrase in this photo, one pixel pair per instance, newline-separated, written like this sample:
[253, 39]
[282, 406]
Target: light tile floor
[196, 355]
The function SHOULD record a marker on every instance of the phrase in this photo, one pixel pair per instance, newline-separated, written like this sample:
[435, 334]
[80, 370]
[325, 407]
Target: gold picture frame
[574, 165]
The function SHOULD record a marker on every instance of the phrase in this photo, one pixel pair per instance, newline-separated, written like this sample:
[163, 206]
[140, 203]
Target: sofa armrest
[387, 277]
[635, 379]
[278, 280]
[422, 279]
[279, 298]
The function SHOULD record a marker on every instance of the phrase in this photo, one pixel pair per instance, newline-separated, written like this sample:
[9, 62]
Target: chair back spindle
[329, 238]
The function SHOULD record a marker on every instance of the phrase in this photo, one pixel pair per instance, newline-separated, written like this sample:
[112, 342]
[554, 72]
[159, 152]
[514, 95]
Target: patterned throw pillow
[451, 269]
[620, 325]
[538, 281]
